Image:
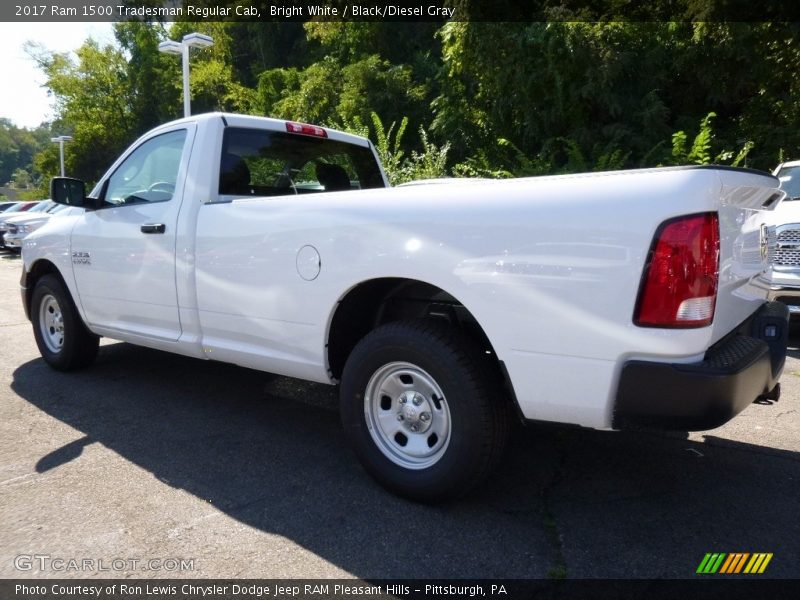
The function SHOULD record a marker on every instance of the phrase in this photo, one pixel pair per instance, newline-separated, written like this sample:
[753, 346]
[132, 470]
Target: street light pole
[60, 141]
[191, 40]
[187, 109]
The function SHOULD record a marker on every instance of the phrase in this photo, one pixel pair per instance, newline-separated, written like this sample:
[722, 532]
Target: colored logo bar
[734, 563]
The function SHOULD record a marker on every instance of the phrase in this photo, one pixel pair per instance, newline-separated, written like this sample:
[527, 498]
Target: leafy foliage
[700, 151]
[388, 147]
[95, 100]
[501, 99]
[17, 149]
[430, 163]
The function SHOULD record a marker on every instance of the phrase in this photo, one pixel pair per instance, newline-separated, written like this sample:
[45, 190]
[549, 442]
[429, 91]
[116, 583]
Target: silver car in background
[18, 227]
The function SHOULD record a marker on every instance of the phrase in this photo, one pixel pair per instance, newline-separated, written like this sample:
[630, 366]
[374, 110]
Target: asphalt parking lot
[149, 456]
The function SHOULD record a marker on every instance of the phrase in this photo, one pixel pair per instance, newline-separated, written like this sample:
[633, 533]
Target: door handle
[153, 228]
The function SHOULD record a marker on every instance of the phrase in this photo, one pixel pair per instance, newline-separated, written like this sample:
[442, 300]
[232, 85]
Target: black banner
[402, 589]
[398, 10]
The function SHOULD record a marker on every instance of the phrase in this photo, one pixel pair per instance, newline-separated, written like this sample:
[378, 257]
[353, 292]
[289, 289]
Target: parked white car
[19, 208]
[18, 227]
[606, 300]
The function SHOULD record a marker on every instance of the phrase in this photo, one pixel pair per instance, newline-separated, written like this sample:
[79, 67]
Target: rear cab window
[258, 162]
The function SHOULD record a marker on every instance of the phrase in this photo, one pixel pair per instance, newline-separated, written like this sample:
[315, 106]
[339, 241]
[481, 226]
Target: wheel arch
[38, 269]
[374, 302]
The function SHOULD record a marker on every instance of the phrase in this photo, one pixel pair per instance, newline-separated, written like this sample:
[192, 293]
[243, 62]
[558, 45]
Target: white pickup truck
[607, 300]
[783, 277]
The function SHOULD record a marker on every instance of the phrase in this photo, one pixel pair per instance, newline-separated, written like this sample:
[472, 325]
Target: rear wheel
[424, 409]
[63, 340]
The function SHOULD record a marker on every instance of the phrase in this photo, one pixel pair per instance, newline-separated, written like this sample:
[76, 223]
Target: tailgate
[747, 243]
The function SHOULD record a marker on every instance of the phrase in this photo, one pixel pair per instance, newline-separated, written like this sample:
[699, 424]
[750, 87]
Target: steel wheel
[63, 340]
[51, 323]
[407, 415]
[420, 405]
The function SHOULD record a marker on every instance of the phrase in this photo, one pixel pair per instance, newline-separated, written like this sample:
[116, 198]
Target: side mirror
[69, 191]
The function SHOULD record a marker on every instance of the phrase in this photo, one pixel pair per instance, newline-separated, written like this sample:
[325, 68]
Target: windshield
[13, 207]
[790, 182]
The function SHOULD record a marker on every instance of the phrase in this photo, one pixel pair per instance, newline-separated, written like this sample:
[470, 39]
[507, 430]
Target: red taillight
[305, 129]
[680, 282]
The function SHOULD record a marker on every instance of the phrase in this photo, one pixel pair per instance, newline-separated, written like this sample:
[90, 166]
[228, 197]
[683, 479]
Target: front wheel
[424, 409]
[63, 340]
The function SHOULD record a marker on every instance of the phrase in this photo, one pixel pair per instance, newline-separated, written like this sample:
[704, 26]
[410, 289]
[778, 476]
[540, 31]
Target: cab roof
[237, 120]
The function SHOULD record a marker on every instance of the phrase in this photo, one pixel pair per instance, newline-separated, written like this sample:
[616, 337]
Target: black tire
[478, 409]
[79, 345]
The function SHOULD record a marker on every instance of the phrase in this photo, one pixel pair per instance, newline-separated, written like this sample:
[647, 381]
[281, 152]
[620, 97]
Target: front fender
[51, 244]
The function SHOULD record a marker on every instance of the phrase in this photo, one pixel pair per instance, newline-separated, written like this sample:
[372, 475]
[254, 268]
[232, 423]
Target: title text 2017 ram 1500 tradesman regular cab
[604, 300]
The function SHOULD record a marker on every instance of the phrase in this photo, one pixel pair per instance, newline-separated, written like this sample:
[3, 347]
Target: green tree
[213, 78]
[94, 104]
[21, 179]
[18, 145]
[149, 76]
[609, 86]
[109, 95]
[520, 98]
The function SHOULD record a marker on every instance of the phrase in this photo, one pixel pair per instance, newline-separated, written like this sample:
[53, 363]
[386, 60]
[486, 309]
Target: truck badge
[81, 258]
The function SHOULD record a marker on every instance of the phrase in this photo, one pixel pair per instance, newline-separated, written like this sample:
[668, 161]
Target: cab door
[123, 254]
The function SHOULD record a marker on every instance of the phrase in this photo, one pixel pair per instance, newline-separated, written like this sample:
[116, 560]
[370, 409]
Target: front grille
[787, 249]
[752, 245]
[790, 236]
[788, 257]
[11, 228]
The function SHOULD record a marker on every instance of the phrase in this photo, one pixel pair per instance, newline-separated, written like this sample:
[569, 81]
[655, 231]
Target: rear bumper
[692, 397]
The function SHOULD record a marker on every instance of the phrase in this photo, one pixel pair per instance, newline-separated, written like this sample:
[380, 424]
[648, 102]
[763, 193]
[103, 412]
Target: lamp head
[170, 47]
[198, 40]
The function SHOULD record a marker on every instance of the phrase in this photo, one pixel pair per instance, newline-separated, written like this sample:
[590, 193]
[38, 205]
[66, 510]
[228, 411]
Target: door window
[149, 173]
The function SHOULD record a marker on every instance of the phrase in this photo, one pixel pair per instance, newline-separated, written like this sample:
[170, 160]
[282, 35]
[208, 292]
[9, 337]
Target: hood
[23, 218]
[788, 211]
[6, 216]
